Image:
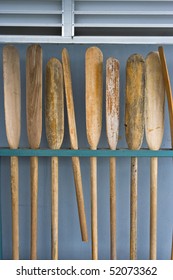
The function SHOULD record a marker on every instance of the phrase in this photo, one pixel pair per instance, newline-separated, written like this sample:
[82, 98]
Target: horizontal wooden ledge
[85, 153]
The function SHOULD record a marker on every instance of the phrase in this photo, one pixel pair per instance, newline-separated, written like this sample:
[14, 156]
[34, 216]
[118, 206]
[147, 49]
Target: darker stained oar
[55, 133]
[34, 128]
[134, 130]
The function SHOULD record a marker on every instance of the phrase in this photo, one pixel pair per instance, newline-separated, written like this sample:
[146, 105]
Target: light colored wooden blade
[94, 88]
[167, 88]
[54, 103]
[134, 102]
[34, 95]
[12, 95]
[154, 101]
[112, 101]
[69, 99]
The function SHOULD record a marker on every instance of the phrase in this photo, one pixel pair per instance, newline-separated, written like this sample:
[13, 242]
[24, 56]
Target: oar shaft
[113, 207]
[153, 208]
[15, 207]
[94, 227]
[80, 197]
[54, 232]
[34, 205]
[133, 208]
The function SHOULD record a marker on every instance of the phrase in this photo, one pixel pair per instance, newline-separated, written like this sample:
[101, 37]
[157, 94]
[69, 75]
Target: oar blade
[54, 103]
[12, 95]
[154, 101]
[34, 95]
[112, 101]
[94, 92]
[134, 102]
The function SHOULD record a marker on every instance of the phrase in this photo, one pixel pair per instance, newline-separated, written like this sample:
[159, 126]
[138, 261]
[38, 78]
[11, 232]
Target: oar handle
[15, 206]
[113, 207]
[153, 208]
[34, 205]
[80, 197]
[133, 208]
[54, 210]
[94, 226]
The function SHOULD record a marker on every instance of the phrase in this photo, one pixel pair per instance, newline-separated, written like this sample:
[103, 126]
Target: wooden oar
[55, 132]
[112, 129]
[12, 104]
[154, 128]
[134, 130]
[34, 128]
[94, 88]
[74, 143]
[167, 88]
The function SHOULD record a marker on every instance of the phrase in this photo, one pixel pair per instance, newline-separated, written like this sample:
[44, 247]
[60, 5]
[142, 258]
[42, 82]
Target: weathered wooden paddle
[12, 104]
[55, 132]
[34, 128]
[167, 88]
[94, 88]
[112, 130]
[154, 129]
[74, 143]
[134, 131]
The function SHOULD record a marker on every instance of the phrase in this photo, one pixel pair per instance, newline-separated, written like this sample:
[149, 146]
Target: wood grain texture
[133, 208]
[54, 208]
[134, 101]
[15, 206]
[94, 91]
[93, 98]
[112, 101]
[154, 128]
[94, 227]
[34, 128]
[167, 88]
[69, 99]
[54, 103]
[12, 95]
[154, 101]
[153, 208]
[34, 205]
[34, 95]
[12, 106]
[113, 253]
[74, 143]
[112, 131]
[134, 131]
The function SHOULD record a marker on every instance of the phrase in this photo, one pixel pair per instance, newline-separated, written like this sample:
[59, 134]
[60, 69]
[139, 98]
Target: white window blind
[33, 17]
[123, 18]
[86, 21]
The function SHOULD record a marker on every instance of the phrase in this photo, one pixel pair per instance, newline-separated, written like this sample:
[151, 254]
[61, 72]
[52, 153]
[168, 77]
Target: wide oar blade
[154, 101]
[12, 95]
[34, 95]
[112, 101]
[94, 88]
[54, 103]
[134, 106]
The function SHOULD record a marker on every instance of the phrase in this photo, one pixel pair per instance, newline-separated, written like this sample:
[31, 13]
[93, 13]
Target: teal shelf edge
[85, 153]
